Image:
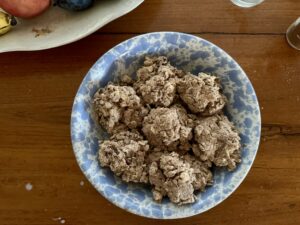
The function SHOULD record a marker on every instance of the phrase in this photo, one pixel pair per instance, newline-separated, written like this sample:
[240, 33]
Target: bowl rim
[175, 216]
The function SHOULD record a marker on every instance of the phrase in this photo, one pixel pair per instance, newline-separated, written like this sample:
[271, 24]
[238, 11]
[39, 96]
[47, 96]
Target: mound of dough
[201, 171]
[201, 93]
[125, 154]
[167, 128]
[118, 107]
[156, 81]
[173, 177]
[217, 141]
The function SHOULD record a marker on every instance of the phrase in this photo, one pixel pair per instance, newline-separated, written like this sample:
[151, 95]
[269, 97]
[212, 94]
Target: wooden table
[40, 182]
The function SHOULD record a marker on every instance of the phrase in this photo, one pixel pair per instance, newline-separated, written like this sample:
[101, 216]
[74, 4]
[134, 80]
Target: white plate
[64, 26]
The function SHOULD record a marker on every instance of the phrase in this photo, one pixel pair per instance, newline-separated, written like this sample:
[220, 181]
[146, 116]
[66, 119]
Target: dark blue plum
[74, 5]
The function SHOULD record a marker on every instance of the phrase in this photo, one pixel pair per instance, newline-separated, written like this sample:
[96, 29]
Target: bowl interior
[189, 53]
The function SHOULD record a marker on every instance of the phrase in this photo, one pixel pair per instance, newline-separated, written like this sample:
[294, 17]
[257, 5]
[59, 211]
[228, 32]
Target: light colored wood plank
[36, 94]
[197, 16]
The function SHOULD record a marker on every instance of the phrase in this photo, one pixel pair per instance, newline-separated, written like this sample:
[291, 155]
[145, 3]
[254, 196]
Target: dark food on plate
[167, 129]
[74, 5]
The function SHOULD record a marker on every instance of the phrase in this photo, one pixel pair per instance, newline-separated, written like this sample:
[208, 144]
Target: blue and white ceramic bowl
[189, 53]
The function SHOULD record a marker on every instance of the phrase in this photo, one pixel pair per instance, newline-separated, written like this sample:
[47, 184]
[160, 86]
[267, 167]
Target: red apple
[25, 8]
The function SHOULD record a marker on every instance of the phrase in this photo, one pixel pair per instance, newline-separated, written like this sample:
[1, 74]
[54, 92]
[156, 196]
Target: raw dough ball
[118, 107]
[201, 93]
[217, 141]
[162, 127]
[173, 177]
[156, 81]
[125, 154]
[203, 175]
[167, 129]
[186, 129]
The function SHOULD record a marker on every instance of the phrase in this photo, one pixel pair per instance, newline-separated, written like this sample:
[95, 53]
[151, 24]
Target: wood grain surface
[37, 90]
[208, 16]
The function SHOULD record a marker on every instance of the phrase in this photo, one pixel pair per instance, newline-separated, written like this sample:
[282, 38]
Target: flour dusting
[61, 220]
[28, 186]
